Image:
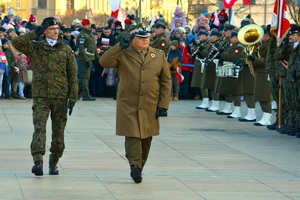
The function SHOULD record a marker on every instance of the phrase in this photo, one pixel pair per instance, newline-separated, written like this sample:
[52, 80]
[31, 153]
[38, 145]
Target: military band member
[271, 70]
[200, 44]
[209, 72]
[231, 86]
[160, 41]
[227, 110]
[262, 91]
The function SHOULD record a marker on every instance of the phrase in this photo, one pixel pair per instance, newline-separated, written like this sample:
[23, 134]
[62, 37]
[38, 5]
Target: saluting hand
[125, 42]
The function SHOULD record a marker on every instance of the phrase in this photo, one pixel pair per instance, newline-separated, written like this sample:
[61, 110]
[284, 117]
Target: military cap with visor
[140, 30]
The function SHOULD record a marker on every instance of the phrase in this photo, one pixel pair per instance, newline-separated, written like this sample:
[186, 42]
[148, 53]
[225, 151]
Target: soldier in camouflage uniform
[293, 76]
[87, 54]
[54, 89]
[160, 41]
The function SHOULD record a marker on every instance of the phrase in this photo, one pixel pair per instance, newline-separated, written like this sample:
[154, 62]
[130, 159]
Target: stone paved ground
[198, 155]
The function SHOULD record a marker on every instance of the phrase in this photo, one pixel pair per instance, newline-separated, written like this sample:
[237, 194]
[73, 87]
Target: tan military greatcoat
[144, 86]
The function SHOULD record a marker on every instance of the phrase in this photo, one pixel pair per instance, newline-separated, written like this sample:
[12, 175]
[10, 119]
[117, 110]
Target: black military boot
[37, 168]
[53, 169]
[88, 98]
[136, 174]
[273, 126]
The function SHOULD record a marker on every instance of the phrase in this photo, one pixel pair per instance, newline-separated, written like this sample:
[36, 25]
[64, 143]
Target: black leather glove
[125, 42]
[39, 30]
[71, 104]
[172, 68]
[161, 112]
[251, 58]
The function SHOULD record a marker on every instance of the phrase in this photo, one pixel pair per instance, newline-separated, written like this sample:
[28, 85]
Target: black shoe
[136, 174]
[273, 126]
[88, 99]
[222, 113]
[258, 124]
[37, 168]
[246, 120]
[53, 169]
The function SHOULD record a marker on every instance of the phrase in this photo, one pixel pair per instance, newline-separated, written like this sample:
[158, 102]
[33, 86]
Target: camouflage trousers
[137, 150]
[57, 108]
[290, 107]
[86, 68]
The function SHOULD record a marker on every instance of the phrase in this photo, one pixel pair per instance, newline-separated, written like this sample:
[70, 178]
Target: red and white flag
[216, 20]
[246, 2]
[114, 5]
[180, 77]
[280, 25]
[229, 3]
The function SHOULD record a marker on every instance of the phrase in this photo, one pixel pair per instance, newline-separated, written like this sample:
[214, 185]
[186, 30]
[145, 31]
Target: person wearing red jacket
[186, 68]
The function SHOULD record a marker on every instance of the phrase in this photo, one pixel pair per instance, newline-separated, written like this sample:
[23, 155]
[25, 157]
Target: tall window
[18, 4]
[42, 4]
[70, 4]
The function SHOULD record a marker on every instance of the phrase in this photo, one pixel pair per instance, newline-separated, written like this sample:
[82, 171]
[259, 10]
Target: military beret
[49, 21]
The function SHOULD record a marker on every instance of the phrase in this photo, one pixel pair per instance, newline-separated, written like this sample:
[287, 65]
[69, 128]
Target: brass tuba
[250, 35]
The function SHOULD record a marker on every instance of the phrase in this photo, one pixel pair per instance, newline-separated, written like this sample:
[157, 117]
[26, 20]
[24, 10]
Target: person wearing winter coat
[174, 60]
[143, 94]
[179, 17]
[21, 75]
[186, 68]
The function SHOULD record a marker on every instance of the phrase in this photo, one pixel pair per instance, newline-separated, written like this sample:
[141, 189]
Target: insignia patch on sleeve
[81, 40]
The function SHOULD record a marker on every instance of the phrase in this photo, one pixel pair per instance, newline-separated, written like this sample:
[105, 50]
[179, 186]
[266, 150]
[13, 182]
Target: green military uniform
[230, 85]
[198, 71]
[160, 42]
[281, 56]
[54, 81]
[294, 79]
[87, 54]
